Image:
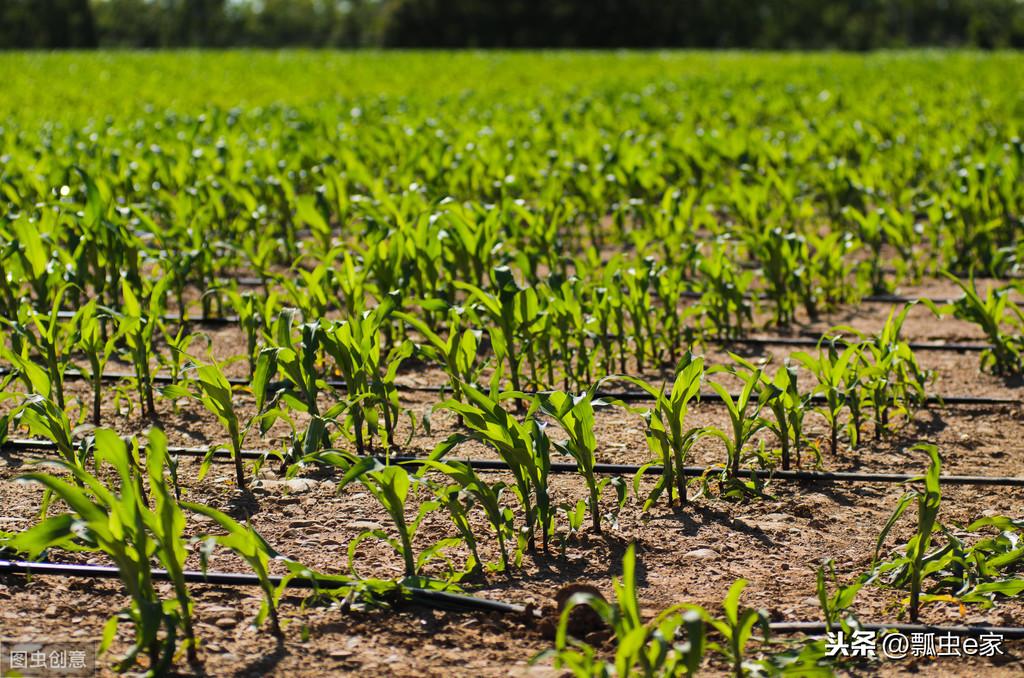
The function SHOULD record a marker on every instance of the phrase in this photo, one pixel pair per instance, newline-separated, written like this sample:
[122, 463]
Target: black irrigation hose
[461, 602]
[249, 281]
[24, 445]
[697, 471]
[870, 299]
[206, 320]
[714, 396]
[628, 396]
[443, 600]
[811, 343]
[224, 321]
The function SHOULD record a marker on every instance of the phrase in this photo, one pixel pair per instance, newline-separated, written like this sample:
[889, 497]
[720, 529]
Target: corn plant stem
[27, 445]
[459, 602]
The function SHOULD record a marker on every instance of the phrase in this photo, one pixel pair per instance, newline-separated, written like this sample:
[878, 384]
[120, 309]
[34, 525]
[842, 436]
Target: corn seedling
[911, 568]
[789, 408]
[98, 346]
[736, 628]
[834, 370]
[835, 604]
[371, 403]
[138, 327]
[390, 486]
[120, 522]
[50, 338]
[246, 543]
[671, 644]
[893, 380]
[470, 485]
[524, 446]
[1002, 321]
[514, 314]
[667, 435]
[211, 388]
[575, 415]
[42, 417]
[744, 414]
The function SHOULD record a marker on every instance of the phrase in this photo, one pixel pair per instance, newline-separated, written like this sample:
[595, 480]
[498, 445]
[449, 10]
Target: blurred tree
[762, 24]
[49, 24]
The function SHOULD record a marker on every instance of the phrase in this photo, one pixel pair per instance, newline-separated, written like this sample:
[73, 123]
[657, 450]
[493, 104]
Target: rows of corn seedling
[125, 505]
[333, 383]
[539, 247]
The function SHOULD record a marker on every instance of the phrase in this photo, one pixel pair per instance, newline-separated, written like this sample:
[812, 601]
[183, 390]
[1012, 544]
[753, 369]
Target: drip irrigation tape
[870, 299]
[628, 396]
[426, 597]
[812, 343]
[714, 396]
[28, 445]
[697, 471]
[234, 319]
[462, 602]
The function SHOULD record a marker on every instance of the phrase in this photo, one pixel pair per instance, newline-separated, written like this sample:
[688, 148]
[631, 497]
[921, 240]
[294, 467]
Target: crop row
[291, 367]
[132, 516]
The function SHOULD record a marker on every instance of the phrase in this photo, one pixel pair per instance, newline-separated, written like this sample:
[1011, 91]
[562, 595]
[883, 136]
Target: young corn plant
[834, 605]
[911, 568]
[98, 346]
[855, 396]
[515, 315]
[138, 327]
[991, 567]
[1002, 321]
[211, 388]
[133, 530]
[893, 379]
[469, 484]
[372, 406]
[177, 356]
[673, 643]
[789, 408]
[42, 417]
[723, 299]
[50, 338]
[736, 628]
[787, 404]
[834, 369]
[668, 437]
[744, 416]
[524, 446]
[255, 315]
[575, 415]
[246, 543]
[393, 488]
[298, 364]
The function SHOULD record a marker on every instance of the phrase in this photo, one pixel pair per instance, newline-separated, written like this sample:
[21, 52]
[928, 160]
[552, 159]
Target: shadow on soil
[264, 664]
[695, 516]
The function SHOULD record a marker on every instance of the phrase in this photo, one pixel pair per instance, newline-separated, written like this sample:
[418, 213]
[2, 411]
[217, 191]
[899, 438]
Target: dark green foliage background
[767, 24]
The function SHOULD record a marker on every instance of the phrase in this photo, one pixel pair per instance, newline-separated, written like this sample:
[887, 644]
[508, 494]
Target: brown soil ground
[690, 555]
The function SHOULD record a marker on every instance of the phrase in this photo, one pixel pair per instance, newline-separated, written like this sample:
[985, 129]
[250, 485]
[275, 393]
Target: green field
[311, 263]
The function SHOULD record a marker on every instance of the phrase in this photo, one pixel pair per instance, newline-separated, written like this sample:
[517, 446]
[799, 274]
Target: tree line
[764, 24]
